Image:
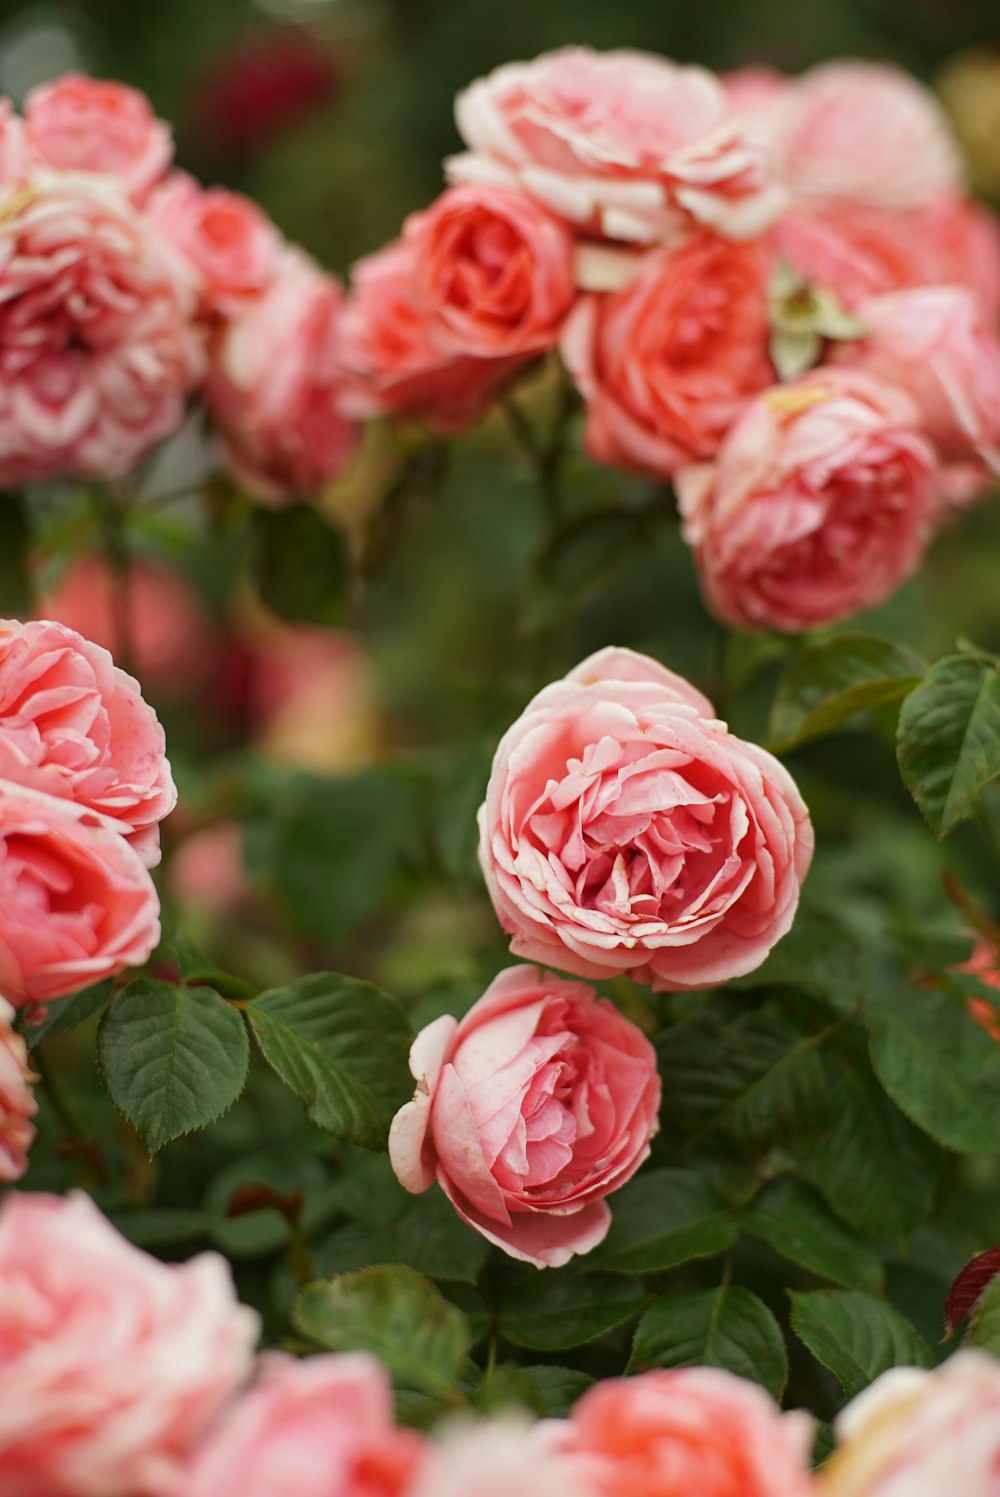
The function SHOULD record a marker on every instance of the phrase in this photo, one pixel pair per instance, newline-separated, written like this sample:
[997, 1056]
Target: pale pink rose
[626, 830]
[666, 365]
[821, 502]
[17, 1100]
[231, 244]
[855, 252]
[528, 1112]
[77, 124]
[111, 1363]
[625, 144]
[97, 347]
[83, 727]
[755, 91]
[319, 1427]
[864, 132]
[13, 161]
[690, 1430]
[274, 385]
[500, 1457]
[391, 348]
[492, 270]
[312, 698]
[915, 1433]
[206, 872]
[958, 241]
[78, 902]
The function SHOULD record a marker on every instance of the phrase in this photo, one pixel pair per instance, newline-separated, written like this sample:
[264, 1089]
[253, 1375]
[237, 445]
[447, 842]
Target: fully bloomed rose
[97, 346]
[275, 381]
[492, 270]
[626, 830]
[319, 1427]
[78, 124]
[500, 1456]
[83, 728]
[690, 1430]
[821, 502]
[667, 364]
[915, 1433]
[111, 1363]
[17, 1100]
[230, 243]
[528, 1112]
[624, 144]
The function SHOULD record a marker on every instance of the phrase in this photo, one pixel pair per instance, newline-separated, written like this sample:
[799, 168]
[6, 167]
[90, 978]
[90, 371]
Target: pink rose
[17, 1100]
[231, 243]
[821, 502]
[320, 1427]
[862, 132]
[312, 698]
[97, 348]
[626, 830]
[855, 252]
[528, 1112]
[915, 1433]
[501, 1456]
[690, 1430]
[958, 241]
[12, 153]
[624, 144]
[274, 385]
[667, 364]
[391, 349]
[83, 727]
[111, 1363]
[206, 873]
[492, 270]
[80, 124]
[78, 903]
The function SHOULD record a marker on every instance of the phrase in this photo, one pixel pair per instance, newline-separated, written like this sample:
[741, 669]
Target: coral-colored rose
[17, 1100]
[861, 132]
[626, 830]
[493, 271]
[206, 873]
[493, 1458]
[77, 902]
[320, 1427]
[528, 1112]
[624, 144]
[84, 729]
[915, 1433]
[274, 385]
[111, 1363]
[231, 244]
[690, 1430]
[78, 124]
[821, 502]
[97, 348]
[391, 348]
[12, 152]
[667, 364]
[855, 252]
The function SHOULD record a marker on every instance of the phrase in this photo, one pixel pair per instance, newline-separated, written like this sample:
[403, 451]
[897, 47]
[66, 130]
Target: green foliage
[984, 1329]
[726, 1327]
[949, 739]
[794, 1221]
[856, 1336]
[67, 1013]
[556, 1310]
[832, 681]
[300, 564]
[661, 1219]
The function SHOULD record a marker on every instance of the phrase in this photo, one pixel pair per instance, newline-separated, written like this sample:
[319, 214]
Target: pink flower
[915, 1433]
[97, 349]
[958, 241]
[111, 1363]
[312, 698]
[274, 385]
[528, 1113]
[666, 365]
[862, 132]
[821, 502]
[17, 1100]
[206, 873]
[492, 271]
[855, 252]
[626, 830]
[984, 964]
[83, 727]
[501, 1456]
[12, 153]
[230, 243]
[77, 902]
[625, 144]
[80, 124]
[690, 1430]
[320, 1427]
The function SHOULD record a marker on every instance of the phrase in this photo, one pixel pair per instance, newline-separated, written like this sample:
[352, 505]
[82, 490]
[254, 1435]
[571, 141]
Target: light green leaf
[856, 1336]
[831, 681]
[794, 1221]
[662, 1218]
[948, 741]
[728, 1328]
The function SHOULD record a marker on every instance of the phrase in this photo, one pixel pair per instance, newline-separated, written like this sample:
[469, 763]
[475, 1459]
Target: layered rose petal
[78, 124]
[13, 157]
[17, 1100]
[505, 1454]
[229, 242]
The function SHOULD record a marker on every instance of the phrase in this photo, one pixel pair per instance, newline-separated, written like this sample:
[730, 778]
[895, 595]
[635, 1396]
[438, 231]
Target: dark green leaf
[662, 1218]
[728, 1328]
[794, 1220]
[856, 1336]
[67, 1013]
[300, 562]
[831, 681]
[550, 1311]
[425, 1233]
[984, 1328]
[556, 1388]
[948, 743]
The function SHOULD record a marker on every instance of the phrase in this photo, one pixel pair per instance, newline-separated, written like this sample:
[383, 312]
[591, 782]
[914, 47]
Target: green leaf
[425, 1233]
[794, 1220]
[556, 1389]
[68, 1013]
[984, 1328]
[728, 1328]
[300, 562]
[938, 1065]
[831, 681]
[173, 1058]
[397, 1316]
[948, 741]
[856, 1336]
[662, 1218]
[342, 1046]
[550, 1311]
